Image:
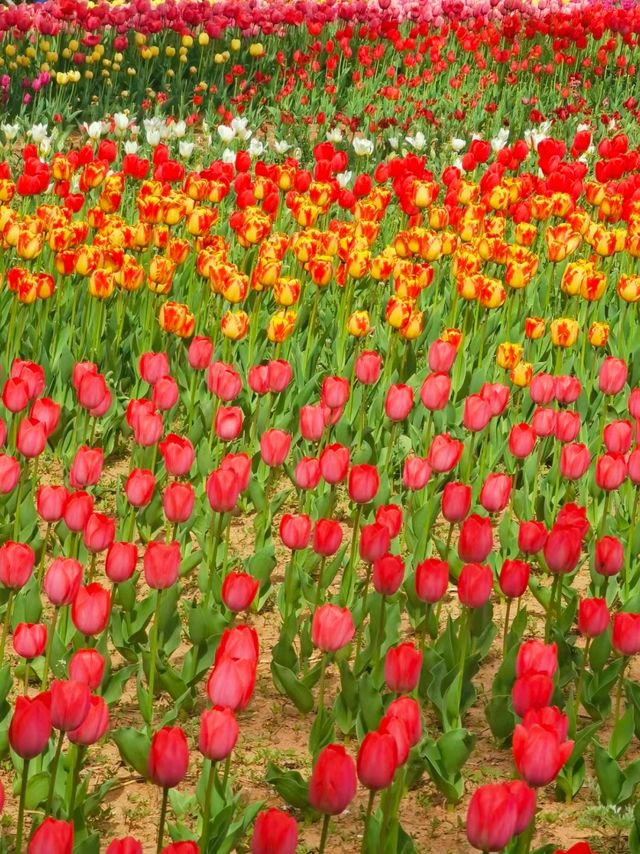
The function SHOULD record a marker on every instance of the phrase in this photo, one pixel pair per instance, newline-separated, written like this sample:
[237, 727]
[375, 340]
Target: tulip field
[320, 427]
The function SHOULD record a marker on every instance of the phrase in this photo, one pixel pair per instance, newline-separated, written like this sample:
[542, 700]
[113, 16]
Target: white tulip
[179, 129]
[226, 134]
[228, 156]
[334, 135]
[130, 147]
[458, 144]
[418, 141]
[186, 148]
[362, 147]
[281, 147]
[239, 126]
[256, 148]
[394, 142]
[121, 121]
[344, 178]
[38, 132]
[94, 130]
[10, 131]
[500, 140]
[153, 137]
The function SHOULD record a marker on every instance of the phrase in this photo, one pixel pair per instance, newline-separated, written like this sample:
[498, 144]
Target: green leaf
[134, 747]
[610, 777]
[290, 785]
[37, 789]
[287, 683]
[622, 734]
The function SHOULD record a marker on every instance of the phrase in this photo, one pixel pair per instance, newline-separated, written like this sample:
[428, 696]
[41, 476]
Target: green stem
[323, 674]
[225, 773]
[324, 834]
[163, 815]
[206, 815]
[319, 582]
[23, 795]
[365, 597]
[154, 646]
[347, 578]
[583, 666]
[74, 777]
[54, 773]
[506, 628]
[7, 623]
[216, 533]
[552, 599]
[43, 556]
[367, 819]
[616, 715]
[47, 655]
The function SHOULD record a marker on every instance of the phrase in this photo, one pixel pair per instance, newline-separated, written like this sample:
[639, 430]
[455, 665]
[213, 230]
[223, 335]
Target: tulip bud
[332, 628]
[593, 617]
[239, 590]
[333, 782]
[218, 733]
[168, 757]
[402, 668]
[274, 831]
[388, 574]
[476, 539]
[161, 564]
[377, 760]
[52, 837]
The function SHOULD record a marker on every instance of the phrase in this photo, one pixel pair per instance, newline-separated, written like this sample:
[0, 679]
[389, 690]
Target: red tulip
[456, 501]
[121, 561]
[200, 352]
[388, 574]
[327, 537]
[575, 460]
[444, 453]
[334, 463]
[50, 502]
[231, 683]
[148, 428]
[531, 691]
[593, 617]
[32, 438]
[295, 531]
[534, 656]
[435, 391]
[94, 726]
[441, 356]
[514, 578]
[377, 760]
[612, 375]
[475, 584]
[364, 481]
[178, 500]
[279, 375]
[408, 710]
[15, 395]
[274, 832]
[542, 389]
[126, 845]
[633, 466]
[396, 728]
[539, 753]
[224, 381]
[335, 392]
[139, 487]
[239, 590]
[62, 581]
[525, 799]
[274, 447]
[307, 473]
[522, 440]
[626, 633]
[99, 532]
[332, 628]
[47, 412]
[165, 394]
[161, 564]
[402, 668]
[531, 537]
[611, 470]
[239, 644]
[30, 727]
[70, 703]
[223, 490]
[16, 564]
[9, 473]
[544, 422]
[491, 817]
[312, 422]
[390, 516]
[495, 492]
[240, 465]
[398, 402]
[374, 542]
[567, 389]
[609, 556]
[333, 781]
[153, 366]
[90, 609]
[92, 391]
[178, 454]
[567, 426]
[168, 757]
[218, 733]
[415, 473]
[228, 423]
[368, 366]
[77, 509]
[86, 467]
[618, 436]
[52, 837]
[496, 395]
[562, 549]
[476, 539]
[87, 667]
[431, 580]
[30, 639]
[477, 413]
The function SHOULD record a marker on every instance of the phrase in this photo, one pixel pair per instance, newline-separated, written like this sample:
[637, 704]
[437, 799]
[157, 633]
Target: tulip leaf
[287, 683]
[134, 747]
[609, 775]
[322, 732]
[290, 786]
[37, 789]
[622, 734]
